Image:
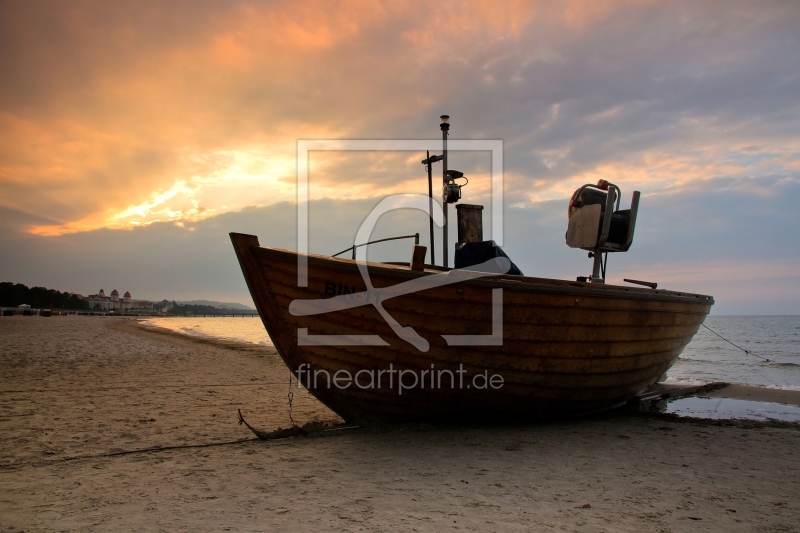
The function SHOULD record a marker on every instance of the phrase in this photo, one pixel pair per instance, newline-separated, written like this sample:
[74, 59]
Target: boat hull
[564, 348]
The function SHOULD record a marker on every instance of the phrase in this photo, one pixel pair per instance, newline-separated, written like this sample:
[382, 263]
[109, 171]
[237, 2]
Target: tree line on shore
[16, 294]
[192, 309]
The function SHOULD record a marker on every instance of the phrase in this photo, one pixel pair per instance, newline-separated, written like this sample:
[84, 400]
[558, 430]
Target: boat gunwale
[522, 283]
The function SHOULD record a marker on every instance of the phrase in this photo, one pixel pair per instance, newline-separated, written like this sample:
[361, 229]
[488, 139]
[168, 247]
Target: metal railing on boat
[416, 241]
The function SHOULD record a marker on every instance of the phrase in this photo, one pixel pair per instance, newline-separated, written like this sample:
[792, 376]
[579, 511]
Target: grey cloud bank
[731, 242]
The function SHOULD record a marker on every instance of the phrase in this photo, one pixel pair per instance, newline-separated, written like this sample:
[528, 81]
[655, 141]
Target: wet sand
[76, 390]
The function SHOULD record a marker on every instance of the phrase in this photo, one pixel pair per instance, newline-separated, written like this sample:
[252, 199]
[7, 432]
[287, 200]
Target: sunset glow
[164, 117]
[117, 117]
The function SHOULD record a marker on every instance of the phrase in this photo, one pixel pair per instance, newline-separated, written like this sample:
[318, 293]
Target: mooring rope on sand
[112, 388]
[748, 352]
[154, 449]
[278, 434]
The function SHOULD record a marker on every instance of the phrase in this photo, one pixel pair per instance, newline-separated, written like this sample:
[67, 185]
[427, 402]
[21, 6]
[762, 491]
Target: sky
[135, 135]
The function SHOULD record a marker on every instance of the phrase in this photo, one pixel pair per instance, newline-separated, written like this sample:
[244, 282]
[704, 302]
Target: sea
[774, 343]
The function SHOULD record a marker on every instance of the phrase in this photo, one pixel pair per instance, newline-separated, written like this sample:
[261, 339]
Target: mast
[445, 126]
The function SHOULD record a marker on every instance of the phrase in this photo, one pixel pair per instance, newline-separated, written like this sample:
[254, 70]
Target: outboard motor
[596, 223]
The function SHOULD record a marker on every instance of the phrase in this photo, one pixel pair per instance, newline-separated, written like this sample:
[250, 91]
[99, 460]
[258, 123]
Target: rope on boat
[748, 352]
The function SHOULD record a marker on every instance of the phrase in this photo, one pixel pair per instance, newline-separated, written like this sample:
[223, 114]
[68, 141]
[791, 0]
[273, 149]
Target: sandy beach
[78, 393]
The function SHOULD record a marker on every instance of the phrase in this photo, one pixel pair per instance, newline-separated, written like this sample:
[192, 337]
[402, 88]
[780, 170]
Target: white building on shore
[103, 302]
[110, 303]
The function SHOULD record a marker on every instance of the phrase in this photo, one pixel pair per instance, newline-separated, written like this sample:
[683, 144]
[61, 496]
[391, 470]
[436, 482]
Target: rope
[129, 452]
[290, 396]
[136, 387]
[748, 352]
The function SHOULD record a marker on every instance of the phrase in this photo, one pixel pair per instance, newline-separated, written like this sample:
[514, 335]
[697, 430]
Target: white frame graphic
[307, 307]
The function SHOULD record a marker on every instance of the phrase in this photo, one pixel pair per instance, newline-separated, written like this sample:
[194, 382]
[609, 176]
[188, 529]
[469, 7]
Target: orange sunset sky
[135, 135]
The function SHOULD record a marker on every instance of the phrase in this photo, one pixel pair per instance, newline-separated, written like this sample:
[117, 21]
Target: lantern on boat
[451, 191]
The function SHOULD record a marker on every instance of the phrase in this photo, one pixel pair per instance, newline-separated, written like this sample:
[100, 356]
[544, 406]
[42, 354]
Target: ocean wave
[783, 387]
[686, 381]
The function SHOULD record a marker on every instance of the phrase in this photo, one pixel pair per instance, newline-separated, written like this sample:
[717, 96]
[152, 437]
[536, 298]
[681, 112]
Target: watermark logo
[403, 379]
[377, 296]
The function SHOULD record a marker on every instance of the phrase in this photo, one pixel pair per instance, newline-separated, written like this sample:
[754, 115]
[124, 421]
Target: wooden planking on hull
[354, 358]
[567, 347]
[283, 272]
[525, 307]
[434, 326]
[371, 405]
[395, 272]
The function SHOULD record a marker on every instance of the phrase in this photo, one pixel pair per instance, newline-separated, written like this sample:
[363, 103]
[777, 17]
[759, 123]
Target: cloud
[123, 114]
[150, 122]
[740, 247]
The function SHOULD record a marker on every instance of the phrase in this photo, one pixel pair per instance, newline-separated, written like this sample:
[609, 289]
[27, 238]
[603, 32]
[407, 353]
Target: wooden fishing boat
[397, 342]
[563, 348]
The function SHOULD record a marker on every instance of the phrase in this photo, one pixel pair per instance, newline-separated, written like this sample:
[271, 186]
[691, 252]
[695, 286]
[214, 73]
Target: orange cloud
[118, 116]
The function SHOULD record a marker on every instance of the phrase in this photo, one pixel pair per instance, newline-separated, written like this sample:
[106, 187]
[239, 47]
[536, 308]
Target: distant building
[100, 301]
[110, 303]
[113, 302]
